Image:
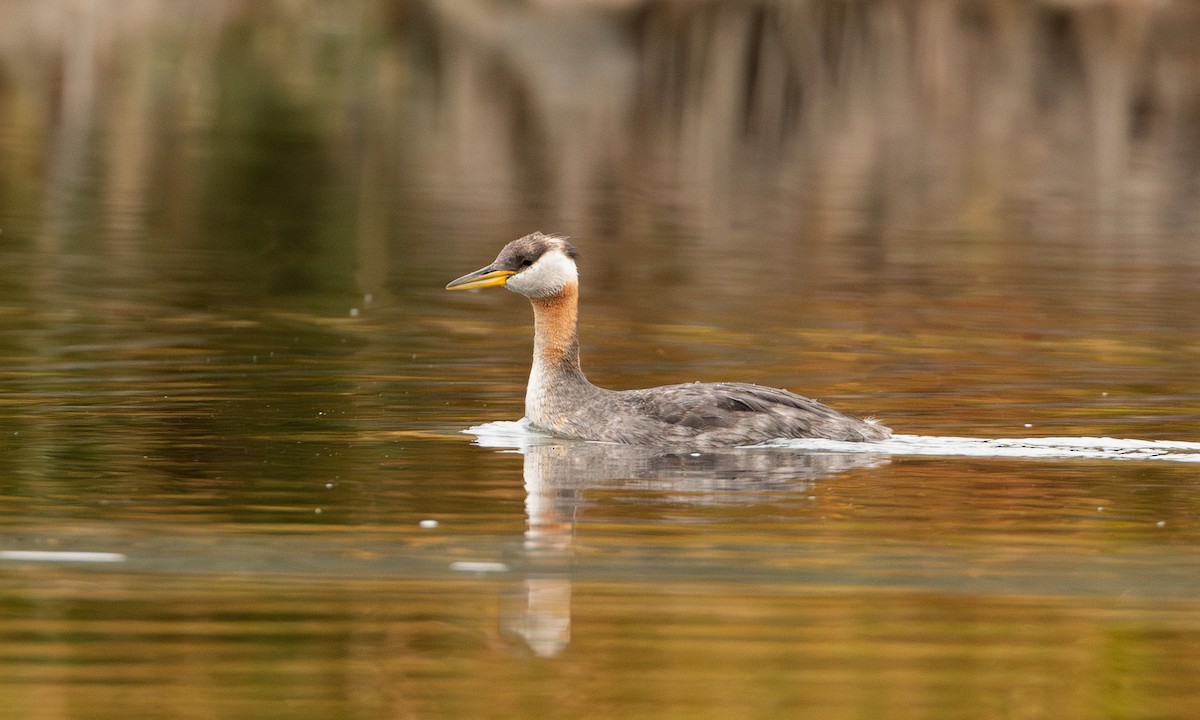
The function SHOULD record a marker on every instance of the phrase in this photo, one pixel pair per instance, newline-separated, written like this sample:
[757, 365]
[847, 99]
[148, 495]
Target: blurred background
[286, 145]
[225, 229]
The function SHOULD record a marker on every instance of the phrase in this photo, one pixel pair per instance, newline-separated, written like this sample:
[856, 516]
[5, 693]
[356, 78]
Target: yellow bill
[482, 278]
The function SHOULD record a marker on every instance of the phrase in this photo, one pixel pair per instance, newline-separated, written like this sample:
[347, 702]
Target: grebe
[560, 400]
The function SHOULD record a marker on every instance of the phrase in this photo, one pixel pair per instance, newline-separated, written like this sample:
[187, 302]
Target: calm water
[231, 378]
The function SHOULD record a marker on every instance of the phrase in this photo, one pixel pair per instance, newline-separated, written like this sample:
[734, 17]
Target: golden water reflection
[746, 582]
[266, 474]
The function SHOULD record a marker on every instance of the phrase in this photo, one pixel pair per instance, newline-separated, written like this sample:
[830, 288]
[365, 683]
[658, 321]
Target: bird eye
[526, 262]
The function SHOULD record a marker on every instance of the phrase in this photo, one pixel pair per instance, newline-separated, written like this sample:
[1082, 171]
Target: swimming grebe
[560, 400]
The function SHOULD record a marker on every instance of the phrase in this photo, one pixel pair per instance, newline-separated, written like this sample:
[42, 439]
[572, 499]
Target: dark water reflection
[224, 230]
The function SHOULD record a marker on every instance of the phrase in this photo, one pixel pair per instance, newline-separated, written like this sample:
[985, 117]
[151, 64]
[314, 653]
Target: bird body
[560, 399]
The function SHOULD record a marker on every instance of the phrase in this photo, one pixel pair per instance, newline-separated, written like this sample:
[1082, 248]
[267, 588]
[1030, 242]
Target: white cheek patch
[548, 276]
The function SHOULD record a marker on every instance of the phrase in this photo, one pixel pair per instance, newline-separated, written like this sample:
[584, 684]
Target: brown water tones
[232, 381]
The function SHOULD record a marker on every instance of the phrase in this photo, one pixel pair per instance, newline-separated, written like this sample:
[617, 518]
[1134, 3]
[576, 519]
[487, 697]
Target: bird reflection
[558, 475]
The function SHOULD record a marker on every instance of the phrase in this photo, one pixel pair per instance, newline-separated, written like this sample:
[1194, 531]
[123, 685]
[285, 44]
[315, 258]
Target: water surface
[235, 481]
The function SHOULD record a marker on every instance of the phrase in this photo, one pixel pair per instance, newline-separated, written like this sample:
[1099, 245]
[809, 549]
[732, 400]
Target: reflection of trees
[558, 476]
[746, 122]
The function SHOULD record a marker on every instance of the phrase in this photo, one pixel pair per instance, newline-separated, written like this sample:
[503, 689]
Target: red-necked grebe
[560, 400]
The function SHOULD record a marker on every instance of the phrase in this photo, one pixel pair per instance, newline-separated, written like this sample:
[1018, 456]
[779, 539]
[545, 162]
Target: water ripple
[1089, 448]
[519, 434]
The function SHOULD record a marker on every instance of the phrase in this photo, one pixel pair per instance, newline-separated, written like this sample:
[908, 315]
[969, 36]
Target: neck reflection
[560, 473]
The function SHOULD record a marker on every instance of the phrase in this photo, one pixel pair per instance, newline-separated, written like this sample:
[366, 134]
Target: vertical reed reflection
[289, 146]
